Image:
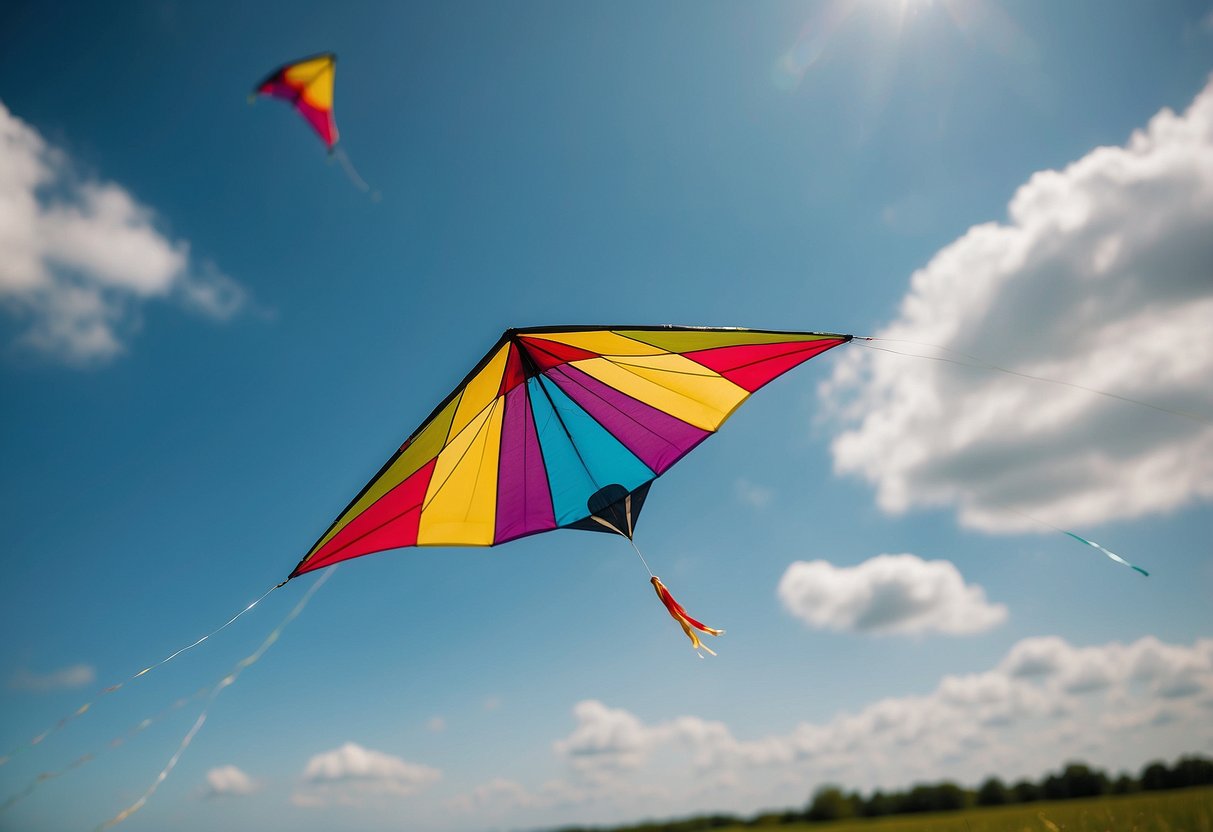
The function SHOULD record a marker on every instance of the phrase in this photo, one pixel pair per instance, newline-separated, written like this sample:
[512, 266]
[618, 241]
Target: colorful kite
[561, 428]
[308, 85]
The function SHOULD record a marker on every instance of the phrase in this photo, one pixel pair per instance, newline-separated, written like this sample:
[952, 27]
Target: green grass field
[1188, 810]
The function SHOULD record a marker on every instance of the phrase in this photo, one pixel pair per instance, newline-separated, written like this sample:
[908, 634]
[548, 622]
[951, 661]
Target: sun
[903, 12]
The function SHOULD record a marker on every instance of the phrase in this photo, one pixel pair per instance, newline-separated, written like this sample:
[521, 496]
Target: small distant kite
[308, 85]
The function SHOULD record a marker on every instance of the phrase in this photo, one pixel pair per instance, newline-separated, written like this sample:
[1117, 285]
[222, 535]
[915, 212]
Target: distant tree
[950, 797]
[832, 803]
[1083, 781]
[1075, 780]
[917, 799]
[940, 797]
[1053, 788]
[878, 805]
[1124, 784]
[1025, 791]
[768, 819]
[829, 803]
[1191, 771]
[1155, 776]
[992, 793]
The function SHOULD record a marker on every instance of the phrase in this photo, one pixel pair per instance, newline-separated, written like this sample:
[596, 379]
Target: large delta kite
[561, 428]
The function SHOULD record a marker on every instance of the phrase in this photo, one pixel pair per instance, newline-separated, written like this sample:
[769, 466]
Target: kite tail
[689, 625]
[1110, 554]
[352, 173]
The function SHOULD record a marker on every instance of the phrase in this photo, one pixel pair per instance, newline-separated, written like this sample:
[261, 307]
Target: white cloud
[887, 594]
[79, 257]
[1166, 671]
[351, 774]
[229, 781]
[1100, 277]
[1120, 704]
[605, 739]
[72, 676]
[752, 494]
[1046, 701]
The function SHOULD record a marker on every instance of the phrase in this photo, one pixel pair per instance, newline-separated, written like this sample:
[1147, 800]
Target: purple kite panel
[654, 436]
[524, 503]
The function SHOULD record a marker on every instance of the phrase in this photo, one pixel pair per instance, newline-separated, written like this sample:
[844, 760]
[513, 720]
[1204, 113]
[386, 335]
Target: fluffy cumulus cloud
[79, 258]
[1046, 701]
[606, 739]
[887, 594]
[228, 781]
[352, 775]
[72, 676]
[1100, 277]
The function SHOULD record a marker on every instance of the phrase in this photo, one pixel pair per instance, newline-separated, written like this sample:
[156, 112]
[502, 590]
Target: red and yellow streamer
[689, 625]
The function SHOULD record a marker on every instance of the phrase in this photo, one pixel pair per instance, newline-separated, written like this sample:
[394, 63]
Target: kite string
[642, 560]
[208, 635]
[979, 363]
[224, 683]
[117, 741]
[982, 364]
[112, 688]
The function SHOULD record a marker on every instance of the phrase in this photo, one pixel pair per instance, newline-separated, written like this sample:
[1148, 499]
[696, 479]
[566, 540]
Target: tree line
[833, 803]
[1074, 780]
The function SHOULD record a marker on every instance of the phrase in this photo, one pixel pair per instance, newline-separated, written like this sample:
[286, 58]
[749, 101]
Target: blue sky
[211, 340]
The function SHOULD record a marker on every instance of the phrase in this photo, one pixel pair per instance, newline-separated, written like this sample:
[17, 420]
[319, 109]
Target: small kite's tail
[1112, 555]
[352, 173]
